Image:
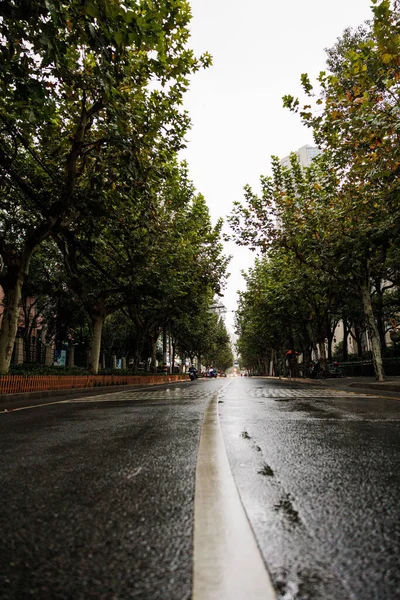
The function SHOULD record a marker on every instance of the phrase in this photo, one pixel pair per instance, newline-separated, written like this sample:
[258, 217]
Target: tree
[219, 353]
[81, 85]
[184, 264]
[294, 222]
[356, 121]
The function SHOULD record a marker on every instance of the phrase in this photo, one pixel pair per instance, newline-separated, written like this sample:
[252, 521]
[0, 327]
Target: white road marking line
[227, 563]
[7, 410]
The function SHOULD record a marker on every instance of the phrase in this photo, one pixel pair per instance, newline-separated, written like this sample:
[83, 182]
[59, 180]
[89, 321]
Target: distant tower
[305, 155]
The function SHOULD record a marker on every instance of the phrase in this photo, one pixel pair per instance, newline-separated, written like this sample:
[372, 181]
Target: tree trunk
[345, 350]
[330, 340]
[380, 320]
[136, 360]
[357, 337]
[27, 341]
[164, 349]
[322, 354]
[373, 333]
[9, 324]
[306, 359]
[154, 354]
[97, 312]
[95, 342]
[173, 358]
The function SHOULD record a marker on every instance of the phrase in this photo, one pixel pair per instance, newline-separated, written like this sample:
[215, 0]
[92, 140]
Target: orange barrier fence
[17, 384]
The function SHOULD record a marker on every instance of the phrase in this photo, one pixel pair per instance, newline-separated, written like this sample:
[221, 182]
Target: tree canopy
[91, 121]
[339, 219]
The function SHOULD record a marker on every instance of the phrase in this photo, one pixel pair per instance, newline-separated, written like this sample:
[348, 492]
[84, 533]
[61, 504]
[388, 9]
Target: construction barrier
[19, 384]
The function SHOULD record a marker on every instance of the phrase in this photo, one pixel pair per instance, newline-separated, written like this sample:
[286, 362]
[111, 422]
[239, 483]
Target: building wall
[352, 345]
[305, 155]
[36, 332]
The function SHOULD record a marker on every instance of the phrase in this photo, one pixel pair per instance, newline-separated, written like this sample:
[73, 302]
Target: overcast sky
[259, 49]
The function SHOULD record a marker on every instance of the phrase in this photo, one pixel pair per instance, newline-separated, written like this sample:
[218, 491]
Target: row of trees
[330, 233]
[97, 216]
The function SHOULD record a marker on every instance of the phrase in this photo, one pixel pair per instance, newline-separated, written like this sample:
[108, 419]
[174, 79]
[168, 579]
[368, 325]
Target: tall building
[305, 155]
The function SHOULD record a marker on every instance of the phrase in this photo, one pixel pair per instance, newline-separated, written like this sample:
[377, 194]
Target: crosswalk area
[189, 393]
[143, 395]
[282, 392]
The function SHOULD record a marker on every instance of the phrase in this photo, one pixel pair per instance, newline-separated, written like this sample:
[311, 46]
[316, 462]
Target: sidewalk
[365, 385]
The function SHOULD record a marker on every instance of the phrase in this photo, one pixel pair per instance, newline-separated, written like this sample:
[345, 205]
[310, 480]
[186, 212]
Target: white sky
[259, 49]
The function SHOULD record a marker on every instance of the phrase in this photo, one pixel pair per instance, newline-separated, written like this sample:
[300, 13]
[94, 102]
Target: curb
[377, 387]
[317, 382]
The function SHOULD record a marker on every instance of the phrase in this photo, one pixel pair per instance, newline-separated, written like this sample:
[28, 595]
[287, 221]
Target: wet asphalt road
[319, 475]
[97, 496]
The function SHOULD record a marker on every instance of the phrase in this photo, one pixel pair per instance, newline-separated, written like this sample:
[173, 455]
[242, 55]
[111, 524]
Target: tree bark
[11, 305]
[345, 350]
[97, 314]
[95, 342]
[165, 367]
[306, 359]
[330, 341]
[154, 354]
[379, 313]
[9, 324]
[373, 333]
[271, 364]
[357, 337]
[322, 354]
[173, 358]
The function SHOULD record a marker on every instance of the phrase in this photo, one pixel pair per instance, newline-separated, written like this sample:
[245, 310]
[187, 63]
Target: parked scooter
[193, 373]
[315, 370]
[335, 370]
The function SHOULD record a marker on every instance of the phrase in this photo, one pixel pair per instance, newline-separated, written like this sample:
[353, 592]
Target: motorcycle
[212, 373]
[193, 375]
[335, 370]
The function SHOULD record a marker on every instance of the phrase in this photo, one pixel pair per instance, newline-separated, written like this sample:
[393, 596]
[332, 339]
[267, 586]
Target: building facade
[305, 155]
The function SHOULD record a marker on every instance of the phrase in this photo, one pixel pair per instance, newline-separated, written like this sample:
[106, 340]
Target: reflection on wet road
[97, 494]
[318, 473]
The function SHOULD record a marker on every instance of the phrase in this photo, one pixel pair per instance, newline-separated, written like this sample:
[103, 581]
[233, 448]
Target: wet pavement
[318, 473]
[98, 494]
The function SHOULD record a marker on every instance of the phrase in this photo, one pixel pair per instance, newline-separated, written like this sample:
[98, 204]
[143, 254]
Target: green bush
[37, 369]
